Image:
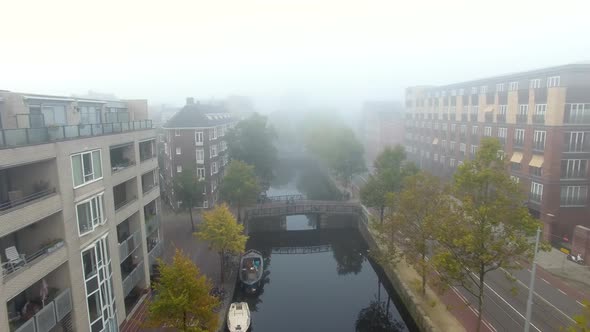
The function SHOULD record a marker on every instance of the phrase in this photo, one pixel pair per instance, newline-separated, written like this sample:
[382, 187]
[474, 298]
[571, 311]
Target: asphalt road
[505, 303]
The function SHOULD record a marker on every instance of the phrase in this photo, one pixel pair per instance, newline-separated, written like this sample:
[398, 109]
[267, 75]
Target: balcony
[489, 117]
[576, 117]
[152, 223]
[128, 245]
[10, 138]
[132, 275]
[539, 118]
[473, 117]
[156, 252]
[501, 118]
[147, 150]
[122, 156]
[149, 181]
[125, 193]
[521, 118]
[464, 117]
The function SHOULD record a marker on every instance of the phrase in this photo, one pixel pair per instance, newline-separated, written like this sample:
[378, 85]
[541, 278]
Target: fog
[309, 53]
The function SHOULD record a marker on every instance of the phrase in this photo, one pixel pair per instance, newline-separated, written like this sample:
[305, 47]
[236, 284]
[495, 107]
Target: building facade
[542, 120]
[194, 140]
[79, 211]
[382, 126]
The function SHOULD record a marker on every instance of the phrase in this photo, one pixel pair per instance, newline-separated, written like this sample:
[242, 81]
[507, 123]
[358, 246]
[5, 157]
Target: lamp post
[529, 304]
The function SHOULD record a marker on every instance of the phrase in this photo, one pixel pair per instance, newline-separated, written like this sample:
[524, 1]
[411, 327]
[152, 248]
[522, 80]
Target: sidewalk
[574, 275]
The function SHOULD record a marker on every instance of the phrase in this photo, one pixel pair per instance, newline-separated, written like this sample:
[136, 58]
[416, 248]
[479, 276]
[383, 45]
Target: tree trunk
[381, 214]
[480, 298]
[184, 327]
[190, 212]
[239, 213]
[222, 265]
[424, 272]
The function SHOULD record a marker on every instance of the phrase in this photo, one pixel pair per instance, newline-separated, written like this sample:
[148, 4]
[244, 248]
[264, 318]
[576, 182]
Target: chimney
[190, 100]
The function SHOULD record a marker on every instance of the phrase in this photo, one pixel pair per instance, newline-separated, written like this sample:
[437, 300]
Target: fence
[48, 317]
[132, 279]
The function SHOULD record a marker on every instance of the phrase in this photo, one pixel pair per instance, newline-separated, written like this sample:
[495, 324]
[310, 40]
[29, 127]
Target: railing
[535, 198]
[133, 278]
[464, 117]
[152, 222]
[122, 165]
[301, 250]
[473, 117]
[121, 204]
[29, 136]
[538, 118]
[51, 313]
[281, 198]
[489, 118]
[9, 268]
[518, 144]
[155, 253]
[149, 187]
[129, 245]
[521, 118]
[4, 207]
[300, 207]
[539, 146]
[576, 118]
[501, 118]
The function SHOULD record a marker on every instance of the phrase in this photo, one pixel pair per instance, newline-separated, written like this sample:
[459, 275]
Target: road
[505, 301]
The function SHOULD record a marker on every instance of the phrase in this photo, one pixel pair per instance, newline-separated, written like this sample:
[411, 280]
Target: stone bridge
[278, 206]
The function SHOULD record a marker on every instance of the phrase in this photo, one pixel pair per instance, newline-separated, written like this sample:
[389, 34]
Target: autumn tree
[224, 233]
[188, 189]
[182, 298]
[419, 207]
[491, 226]
[239, 186]
[582, 321]
[373, 195]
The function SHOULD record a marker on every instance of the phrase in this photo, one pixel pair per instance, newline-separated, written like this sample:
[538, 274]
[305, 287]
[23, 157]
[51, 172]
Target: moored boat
[251, 269]
[238, 317]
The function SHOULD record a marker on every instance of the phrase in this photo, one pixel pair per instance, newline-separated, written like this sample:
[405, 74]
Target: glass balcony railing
[30, 136]
[18, 200]
[521, 118]
[21, 261]
[52, 311]
[133, 278]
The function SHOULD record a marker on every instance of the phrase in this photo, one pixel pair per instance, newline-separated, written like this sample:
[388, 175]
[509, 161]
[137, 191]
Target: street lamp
[529, 304]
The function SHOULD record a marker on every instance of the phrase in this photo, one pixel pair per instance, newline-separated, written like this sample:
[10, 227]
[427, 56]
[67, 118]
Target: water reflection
[377, 318]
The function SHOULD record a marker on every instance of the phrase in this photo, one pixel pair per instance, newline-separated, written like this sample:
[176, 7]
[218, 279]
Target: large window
[513, 86]
[86, 167]
[574, 168]
[535, 83]
[553, 81]
[198, 138]
[200, 156]
[487, 131]
[201, 173]
[539, 139]
[502, 132]
[89, 114]
[519, 137]
[98, 283]
[213, 150]
[577, 113]
[574, 195]
[577, 141]
[536, 192]
[90, 214]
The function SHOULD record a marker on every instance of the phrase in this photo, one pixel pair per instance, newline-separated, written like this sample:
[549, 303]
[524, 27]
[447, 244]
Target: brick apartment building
[382, 126]
[79, 220]
[542, 119]
[193, 139]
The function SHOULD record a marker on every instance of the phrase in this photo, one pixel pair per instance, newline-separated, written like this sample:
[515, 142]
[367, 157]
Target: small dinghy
[238, 317]
[251, 269]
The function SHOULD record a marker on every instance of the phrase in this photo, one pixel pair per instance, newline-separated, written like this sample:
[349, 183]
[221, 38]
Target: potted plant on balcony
[53, 245]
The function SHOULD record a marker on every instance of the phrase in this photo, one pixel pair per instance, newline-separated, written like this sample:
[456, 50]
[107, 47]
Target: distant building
[79, 211]
[382, 126]
[542, 120]
[193, 139]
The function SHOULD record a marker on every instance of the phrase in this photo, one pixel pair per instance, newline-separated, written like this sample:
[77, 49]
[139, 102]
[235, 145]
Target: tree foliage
[376, 318]
[239, 186]
[251, 141]
[183, 299]
[582, 321]
[491, 225]
[188, 189]
[224, 233]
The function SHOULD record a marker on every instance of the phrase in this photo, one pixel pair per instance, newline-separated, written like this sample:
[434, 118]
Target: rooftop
[197, 115]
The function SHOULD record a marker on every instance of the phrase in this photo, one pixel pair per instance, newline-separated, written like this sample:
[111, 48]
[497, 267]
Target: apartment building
[193, 139]
[79, 211]
[542, 119]
[382, 126]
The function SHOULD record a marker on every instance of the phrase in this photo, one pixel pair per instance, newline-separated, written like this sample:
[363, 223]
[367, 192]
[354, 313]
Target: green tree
[252, 141]
[419, 207]
[188, 189]
[491, 226]
[182, 299]
[223, 232]
[373, 194]
[239, 186]
[582, 320]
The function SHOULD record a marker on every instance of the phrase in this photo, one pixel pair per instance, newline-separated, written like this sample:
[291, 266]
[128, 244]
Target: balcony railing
[123, 203]
[464, 117]
[539, 146]
[122, 165]
[8, 268]
[148, 187]
[53, 311]
[5, 207]
[152, 222]
[501, 118]
[473, 117]
[155, 253]
[133, 278]
[518, 144]
[129, 245]
[521, 118]
[28, 136]
[539, 118]
[536, 198]
[489, 118]
[576, 118]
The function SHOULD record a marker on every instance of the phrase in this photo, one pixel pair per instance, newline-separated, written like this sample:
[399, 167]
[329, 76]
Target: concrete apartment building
[542, 119]
[79, 211]
[382, 126]
[193, 140]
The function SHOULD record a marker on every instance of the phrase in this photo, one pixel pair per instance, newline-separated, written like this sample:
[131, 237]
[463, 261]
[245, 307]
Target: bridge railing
[302, 207]
[281, 198]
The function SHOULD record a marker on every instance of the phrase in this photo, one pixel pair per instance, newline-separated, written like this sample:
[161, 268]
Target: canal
[318, 279]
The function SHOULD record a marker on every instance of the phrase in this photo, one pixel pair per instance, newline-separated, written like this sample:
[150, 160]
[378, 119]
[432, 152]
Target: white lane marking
[580, 303]
[485, 322]
[562, 292]
[513, 308]
[547, 282]
[529, 270]
[542, 298]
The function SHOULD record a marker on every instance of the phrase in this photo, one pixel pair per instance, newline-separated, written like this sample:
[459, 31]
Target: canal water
[319, 279]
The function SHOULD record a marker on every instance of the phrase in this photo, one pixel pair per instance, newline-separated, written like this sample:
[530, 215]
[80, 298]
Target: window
[198, 138]
[86, 167]
[462, 147]
[166, 149]
[452, 146]
[515, 179]
[502, 109]
[473, 90]
[444, 144]
[539, 139]
[535, 83]
[90, 214]
[214, 133]
[574, 195]
[499, 87]
[178, 151]
[513, 86]
[541, 109]
[452, 162]
[213, 150]
[501, 154]
[474, 130]
[442, 159]
[453, 127]
[463, 129]
[473, 149]
[523, 109]
[577, 113]
[213, 184]
[200, 173]
[536, 171]
[221, 131]
[177, 132]
[483, 89]
[214, 168]
[487, 131]
[178, 168]
[200, 156]
[436, 157]
[519, 137]
[205, 204]
[225, 158]
[47, 115]
[515, 166]
[536, 192]
[574, 168]
[576, 141]
[88, 114]
[553, 81]
[503, 132]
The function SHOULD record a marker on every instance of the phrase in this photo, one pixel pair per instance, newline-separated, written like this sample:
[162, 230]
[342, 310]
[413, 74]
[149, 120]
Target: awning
[435, 141]
[537, 161]
[489, 109]
[516, 157]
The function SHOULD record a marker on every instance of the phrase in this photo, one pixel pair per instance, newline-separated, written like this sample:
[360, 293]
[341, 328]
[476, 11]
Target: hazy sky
[325, 52]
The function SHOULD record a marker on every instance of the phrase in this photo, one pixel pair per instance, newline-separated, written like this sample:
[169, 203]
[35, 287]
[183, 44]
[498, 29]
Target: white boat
[238, 317]
[251, 269]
